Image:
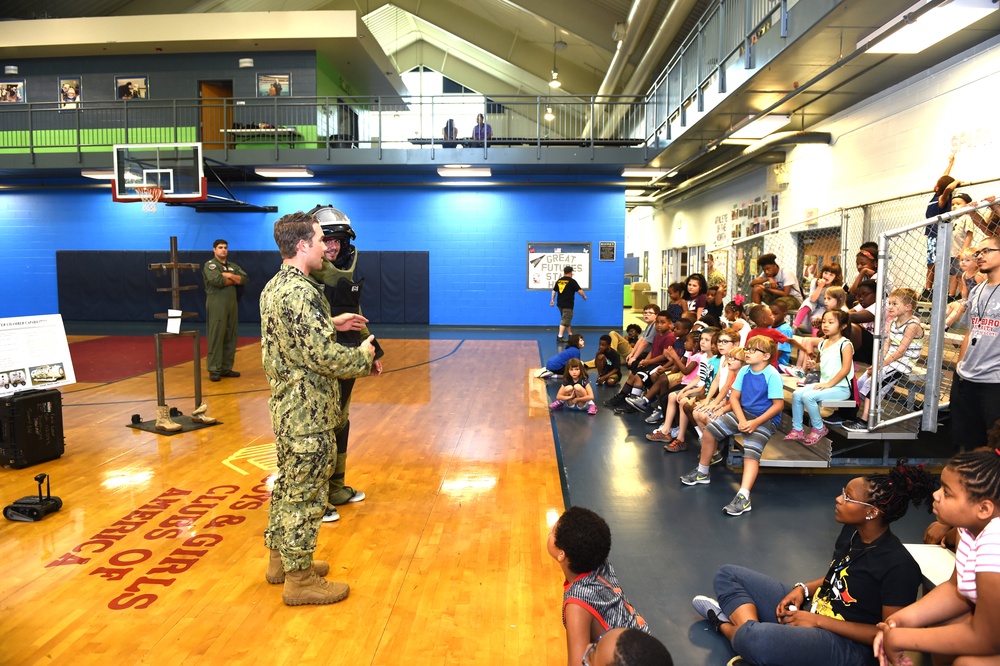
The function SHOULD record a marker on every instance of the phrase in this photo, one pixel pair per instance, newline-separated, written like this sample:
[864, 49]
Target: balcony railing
[363, 123]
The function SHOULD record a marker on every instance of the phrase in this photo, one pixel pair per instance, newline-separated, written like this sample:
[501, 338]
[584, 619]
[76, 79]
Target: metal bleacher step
[781, 453]
[905, 430]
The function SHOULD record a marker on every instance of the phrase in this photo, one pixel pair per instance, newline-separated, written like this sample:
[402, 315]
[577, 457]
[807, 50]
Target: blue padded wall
[476, 239]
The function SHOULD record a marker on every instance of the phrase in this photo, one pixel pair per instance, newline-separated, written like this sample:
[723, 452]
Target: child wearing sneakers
[717, 402]
[836, 363]
[593, 601]
[691, 392]
[756, 400]
[906, 340]
[576, 390]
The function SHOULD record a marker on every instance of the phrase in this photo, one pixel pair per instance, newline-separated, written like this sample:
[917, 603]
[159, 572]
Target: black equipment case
[31, 428]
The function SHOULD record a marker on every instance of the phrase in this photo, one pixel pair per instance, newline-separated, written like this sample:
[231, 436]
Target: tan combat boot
[163, 420]
[304, 587]
[276, 573]
[200, 415]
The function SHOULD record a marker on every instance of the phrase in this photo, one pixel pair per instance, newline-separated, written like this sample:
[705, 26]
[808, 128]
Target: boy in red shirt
[762, 319]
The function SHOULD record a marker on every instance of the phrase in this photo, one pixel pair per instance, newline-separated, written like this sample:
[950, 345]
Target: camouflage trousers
[298, 499]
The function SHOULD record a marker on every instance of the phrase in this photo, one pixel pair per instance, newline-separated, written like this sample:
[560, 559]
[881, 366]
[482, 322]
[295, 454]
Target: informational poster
[546, 262]
[34, 354]
[607, 250]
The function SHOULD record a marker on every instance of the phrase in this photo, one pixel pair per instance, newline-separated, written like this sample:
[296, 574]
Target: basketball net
[149, 195]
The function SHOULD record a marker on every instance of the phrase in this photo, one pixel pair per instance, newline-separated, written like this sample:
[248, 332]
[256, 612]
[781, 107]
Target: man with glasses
[627, 647]
[975, 395]
[757, 398]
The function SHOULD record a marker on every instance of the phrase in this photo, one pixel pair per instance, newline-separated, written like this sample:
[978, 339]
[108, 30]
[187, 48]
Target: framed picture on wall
[12, 91]
[70, 93]
[131, 87]
[274, 85]
[546, 262]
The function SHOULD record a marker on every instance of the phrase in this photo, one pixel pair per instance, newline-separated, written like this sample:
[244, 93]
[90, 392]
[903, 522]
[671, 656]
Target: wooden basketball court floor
[157, 556]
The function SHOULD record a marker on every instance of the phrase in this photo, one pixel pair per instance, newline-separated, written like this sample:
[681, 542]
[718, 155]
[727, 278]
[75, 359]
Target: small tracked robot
[32, 509]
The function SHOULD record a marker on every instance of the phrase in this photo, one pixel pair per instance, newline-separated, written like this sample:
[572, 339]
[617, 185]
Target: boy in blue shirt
[757, 399]
[779, 309]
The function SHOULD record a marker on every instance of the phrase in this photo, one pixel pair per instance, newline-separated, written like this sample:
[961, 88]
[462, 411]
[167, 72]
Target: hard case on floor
[31, 428]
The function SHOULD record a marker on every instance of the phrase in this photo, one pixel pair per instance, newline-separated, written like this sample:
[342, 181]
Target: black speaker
[31, 428]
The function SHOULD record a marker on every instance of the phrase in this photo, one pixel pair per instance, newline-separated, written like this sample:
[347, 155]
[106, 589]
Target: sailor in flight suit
[344, 295]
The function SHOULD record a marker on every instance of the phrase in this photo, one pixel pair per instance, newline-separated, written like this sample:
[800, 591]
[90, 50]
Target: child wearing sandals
[708, 366]
[958, 619]
[836, 363]
[576, 391]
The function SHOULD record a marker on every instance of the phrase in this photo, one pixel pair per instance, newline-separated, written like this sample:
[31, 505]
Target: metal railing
[899, 227]
[325, 123]
[723, 39]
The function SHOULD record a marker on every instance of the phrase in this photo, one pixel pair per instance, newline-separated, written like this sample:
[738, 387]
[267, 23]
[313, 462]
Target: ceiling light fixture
[283, 172]
[760, 127]
[98, 174]
[549, 116]
[464, 171]
[909, 34]
[557, 45]
[632, 172]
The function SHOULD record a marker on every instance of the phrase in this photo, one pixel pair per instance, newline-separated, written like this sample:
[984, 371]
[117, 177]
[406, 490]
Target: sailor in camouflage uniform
[344, 294]
[303, 363]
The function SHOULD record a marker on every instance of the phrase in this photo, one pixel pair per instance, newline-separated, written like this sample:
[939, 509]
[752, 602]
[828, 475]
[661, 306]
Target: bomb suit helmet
[336, 225]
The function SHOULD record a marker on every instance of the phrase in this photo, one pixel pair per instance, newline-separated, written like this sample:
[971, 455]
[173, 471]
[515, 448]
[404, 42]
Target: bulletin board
[546, 261]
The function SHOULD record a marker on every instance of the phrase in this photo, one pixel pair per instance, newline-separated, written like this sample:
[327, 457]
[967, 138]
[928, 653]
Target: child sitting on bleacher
[695, 388]
[757, 398]
[677, 306]
[737, 320]
[906, 339]
[676, 368]
[830, 275]
[779, 310]
[835, 299]
[836, 365]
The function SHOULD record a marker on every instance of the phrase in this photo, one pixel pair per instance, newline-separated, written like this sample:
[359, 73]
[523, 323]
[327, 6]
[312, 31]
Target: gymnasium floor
[442, 567]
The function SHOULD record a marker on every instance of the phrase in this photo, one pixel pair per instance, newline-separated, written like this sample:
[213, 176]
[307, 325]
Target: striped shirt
[904, 365]
[977, 554]
[599, 593]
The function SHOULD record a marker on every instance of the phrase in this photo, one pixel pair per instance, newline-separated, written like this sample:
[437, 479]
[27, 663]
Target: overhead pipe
[639, 17]
[665, 34]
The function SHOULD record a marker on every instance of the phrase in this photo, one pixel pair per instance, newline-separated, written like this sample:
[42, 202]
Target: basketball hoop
[149, 195]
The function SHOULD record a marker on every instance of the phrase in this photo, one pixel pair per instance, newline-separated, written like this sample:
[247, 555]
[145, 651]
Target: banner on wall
[546, 262]
[34, 354]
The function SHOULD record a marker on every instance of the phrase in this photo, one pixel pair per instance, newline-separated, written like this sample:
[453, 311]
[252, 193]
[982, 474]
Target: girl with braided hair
[961, 617]
[830, 620]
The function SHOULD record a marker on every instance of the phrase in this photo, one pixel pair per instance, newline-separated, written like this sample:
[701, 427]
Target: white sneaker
[331, 516]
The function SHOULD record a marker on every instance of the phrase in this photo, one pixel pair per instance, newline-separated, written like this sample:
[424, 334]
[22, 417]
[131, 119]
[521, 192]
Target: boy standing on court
[564, 293]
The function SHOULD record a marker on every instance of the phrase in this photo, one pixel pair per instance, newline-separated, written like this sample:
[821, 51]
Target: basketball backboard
[176, 168]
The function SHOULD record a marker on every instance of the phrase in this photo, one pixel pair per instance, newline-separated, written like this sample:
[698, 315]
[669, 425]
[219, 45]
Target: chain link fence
[901, 231]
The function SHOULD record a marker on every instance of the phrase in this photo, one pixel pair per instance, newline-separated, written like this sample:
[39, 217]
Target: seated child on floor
[593, 601]
[576, 391]
[906, 340]
[557, 363]
[607, 363]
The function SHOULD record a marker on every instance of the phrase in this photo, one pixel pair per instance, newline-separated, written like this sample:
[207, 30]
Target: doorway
[216, 113]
